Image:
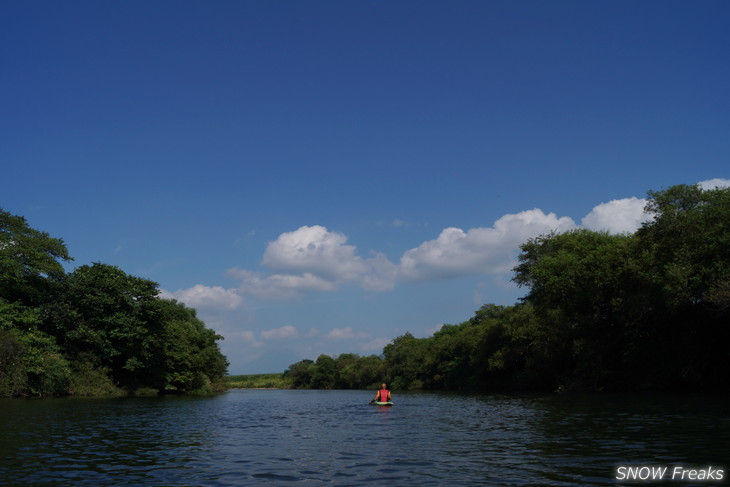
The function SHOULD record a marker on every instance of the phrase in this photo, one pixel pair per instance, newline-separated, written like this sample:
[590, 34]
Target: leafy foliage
[257, 381]
[603, 312]
[96, 330]
[29, 260]
[346, 371]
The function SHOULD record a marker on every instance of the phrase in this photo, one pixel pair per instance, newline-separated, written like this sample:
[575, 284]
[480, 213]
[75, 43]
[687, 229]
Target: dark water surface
[272, 437]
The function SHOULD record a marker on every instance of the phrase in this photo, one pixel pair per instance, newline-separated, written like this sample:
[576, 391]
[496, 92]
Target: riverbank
[258, 381]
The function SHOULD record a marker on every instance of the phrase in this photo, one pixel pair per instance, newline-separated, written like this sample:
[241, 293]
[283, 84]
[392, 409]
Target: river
[303, 438]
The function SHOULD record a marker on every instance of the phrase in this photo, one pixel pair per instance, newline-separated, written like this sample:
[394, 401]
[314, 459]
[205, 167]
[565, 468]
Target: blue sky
[321, 177]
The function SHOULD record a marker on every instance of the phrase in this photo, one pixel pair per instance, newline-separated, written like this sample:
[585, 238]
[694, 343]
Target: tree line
[94, 331]
[642, 311]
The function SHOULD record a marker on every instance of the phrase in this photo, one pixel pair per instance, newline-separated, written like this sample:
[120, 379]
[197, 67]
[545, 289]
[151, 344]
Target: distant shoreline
[257, 388]
[258, 381]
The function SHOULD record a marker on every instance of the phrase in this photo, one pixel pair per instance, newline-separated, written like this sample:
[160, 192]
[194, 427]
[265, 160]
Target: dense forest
[642, 311]
[93, 331]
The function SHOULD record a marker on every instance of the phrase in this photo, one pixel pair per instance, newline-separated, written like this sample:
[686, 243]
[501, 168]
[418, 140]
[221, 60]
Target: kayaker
[383, 395]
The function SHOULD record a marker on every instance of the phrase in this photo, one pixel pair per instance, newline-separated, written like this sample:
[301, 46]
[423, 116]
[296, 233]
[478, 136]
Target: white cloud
[346, 333]
[201, 296]
[627, 215]
[287, 331]
[617, 216]
[314, 250]
[380, 274]
[714, 183]
[480, 250]
[279, 286]
[313, 258]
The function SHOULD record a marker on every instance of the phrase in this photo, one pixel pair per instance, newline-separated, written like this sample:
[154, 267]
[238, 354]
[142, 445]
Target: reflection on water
[334, 437]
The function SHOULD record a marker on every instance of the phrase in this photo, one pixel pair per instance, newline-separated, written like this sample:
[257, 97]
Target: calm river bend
[280, 437]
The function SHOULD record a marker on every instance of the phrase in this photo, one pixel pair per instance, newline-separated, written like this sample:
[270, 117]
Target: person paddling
[383, 395]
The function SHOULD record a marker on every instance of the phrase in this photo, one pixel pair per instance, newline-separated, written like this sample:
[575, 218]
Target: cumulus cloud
[479, 250]
[380, 274]
[714, 183]
[201, 296]
[313, 258]
[314, 250]
[287, 331]
[617, 216]
[279, 286]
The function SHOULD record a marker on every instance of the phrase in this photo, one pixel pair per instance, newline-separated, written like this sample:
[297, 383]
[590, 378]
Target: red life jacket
[383, 395]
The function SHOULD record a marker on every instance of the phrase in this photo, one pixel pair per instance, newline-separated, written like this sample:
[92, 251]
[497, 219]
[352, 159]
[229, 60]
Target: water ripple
[336, 438]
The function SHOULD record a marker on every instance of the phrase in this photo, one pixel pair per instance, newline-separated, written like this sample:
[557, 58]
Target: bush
[13, 380]
[87, 380]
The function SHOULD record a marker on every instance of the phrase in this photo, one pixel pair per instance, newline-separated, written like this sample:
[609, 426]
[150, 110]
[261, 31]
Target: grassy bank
[257, 381]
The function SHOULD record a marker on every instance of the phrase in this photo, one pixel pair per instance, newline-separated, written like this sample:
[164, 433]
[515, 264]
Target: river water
[303, 438]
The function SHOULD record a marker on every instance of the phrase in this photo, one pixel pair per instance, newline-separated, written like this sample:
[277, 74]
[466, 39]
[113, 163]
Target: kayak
[379, 403]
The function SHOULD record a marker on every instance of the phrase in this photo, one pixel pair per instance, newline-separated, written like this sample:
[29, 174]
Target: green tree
[109, 314]
[190, 359]
[686, 257]
[647, 310]
[642, 310]
[404, 359]
[30, 360]
[300, 374]
[585, 279]
[13, 378]
[689, 241]
[30, 267]
[94, 329]
[346, 364]
[360, 373]
[324, 375]
[115, 322]
[28, 258]
[447, 362]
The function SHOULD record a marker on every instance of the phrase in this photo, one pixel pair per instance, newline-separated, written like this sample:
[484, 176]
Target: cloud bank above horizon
[316, 259]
